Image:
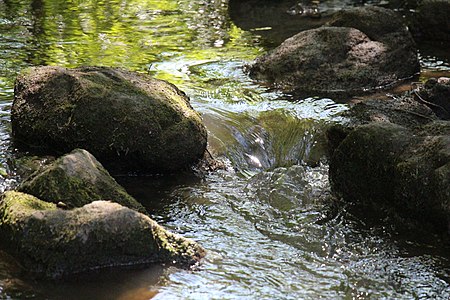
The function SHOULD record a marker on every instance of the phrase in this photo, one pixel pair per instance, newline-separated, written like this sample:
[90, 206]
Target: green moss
[175, 248]
[24, 202]
[119, 116]
[15, 208]
[54, 242]
[77, 179]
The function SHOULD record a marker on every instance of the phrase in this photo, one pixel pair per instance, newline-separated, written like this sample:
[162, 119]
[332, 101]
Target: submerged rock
[128, 121]
[76, 179]
[52, 242]
[360, 50]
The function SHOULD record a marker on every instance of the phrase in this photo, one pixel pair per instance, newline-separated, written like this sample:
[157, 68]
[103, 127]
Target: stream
[267, 219]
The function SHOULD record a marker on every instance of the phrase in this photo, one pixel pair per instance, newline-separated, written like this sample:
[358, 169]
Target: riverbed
[268, 220]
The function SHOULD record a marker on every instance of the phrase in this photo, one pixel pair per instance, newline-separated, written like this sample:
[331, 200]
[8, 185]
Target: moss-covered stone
[52, 242]
[129, 121]
[362, 166]
[384, 167]
[77, 179]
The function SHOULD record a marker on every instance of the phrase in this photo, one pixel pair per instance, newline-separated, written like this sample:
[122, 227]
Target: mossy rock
[128, 121]
[76, 179]
[362, 166]
[358, 51]
[52, 242]
[381, 167]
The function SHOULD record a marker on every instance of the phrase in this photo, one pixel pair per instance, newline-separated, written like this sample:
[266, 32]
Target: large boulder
[127, 120]
[360, 50]
[390, 170]
[52, 242]
[76, 179]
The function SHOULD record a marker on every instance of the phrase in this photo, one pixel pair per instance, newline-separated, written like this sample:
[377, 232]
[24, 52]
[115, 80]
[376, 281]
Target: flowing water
[266, 220]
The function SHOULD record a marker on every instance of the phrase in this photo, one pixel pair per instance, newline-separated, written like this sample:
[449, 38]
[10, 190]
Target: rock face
[128, 121]
[52, 242]
[396, 164]
[360, 50]
[77, 179]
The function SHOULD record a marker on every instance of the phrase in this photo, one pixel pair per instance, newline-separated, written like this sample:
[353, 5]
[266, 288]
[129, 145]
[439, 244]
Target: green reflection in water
[260, 228]
[132, 34]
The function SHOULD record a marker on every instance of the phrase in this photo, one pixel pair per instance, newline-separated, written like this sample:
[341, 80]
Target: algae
[77, 179]
[52, 242]
[129, 121]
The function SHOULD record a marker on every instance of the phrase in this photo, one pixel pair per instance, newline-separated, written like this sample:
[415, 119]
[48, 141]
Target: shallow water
[265, 220]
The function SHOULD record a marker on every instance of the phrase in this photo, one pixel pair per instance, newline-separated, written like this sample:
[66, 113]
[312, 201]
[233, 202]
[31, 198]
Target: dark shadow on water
[152, 191]
[271, 19]
[105, 284]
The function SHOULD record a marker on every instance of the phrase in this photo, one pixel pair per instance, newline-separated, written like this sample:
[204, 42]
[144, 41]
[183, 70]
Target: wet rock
[52, 242]
[128, 121]
[362, 166]
[390, 170]
[76, 179]
[402, 110]
[431, 21]
[435, 93]
[359, 50]
[379, 24]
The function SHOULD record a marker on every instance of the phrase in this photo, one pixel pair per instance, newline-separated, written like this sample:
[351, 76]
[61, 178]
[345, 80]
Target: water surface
[265, 220]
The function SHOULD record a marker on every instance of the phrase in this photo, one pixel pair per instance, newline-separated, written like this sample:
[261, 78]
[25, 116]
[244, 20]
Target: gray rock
[360, 50]
[128, 121]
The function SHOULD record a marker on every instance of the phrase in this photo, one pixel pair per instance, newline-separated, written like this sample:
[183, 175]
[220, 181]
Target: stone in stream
[359, 50]
[393, 162]
[76, 179]
[52, 242]
[128, 121]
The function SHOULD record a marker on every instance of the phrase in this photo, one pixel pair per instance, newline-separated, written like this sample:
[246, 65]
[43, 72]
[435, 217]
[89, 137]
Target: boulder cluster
[392, 156]
[69, 215]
